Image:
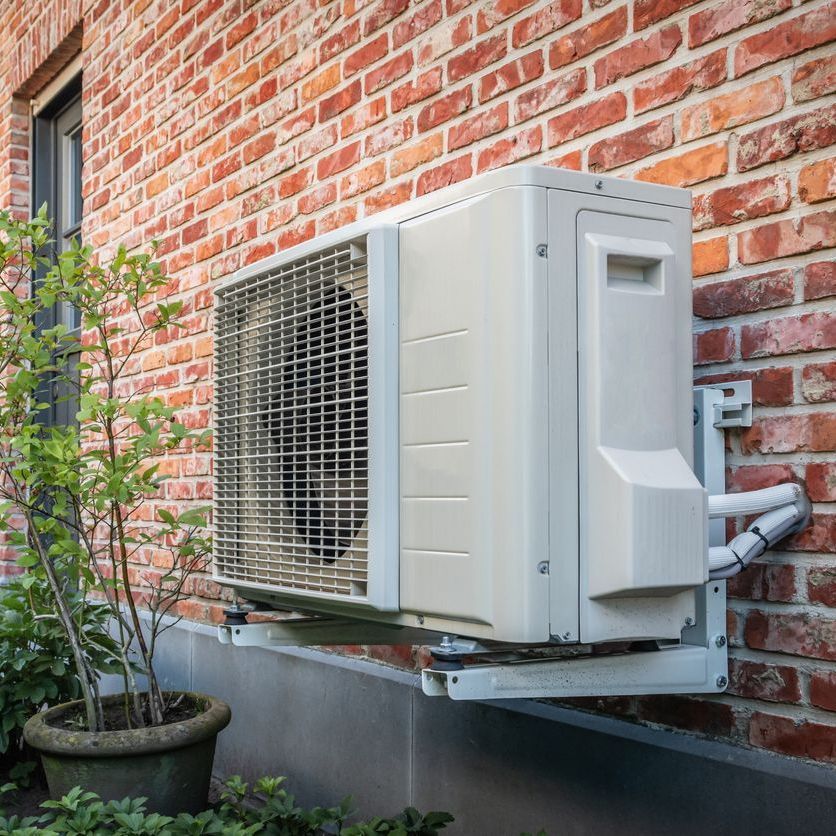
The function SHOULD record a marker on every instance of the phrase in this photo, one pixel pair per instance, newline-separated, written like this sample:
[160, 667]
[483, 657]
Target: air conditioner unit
[471, 414]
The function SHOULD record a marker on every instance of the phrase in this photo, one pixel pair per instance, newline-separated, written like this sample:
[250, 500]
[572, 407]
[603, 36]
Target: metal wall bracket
[735, 409]
[698, 664]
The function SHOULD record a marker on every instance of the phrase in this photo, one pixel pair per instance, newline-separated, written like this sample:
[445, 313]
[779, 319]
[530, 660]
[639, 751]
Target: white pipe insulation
[785, 510]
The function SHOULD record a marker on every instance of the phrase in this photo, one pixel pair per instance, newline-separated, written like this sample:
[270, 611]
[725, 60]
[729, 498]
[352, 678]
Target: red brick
[388, 136]
[814, 79]
[818, 382]
[386, 73]
[320, 83]
[478, 127]
[426, 85]
[814, 433]
[789, 335]
[715, 346]
[744, 295]
[796, 633]
[647, 12]
[821, 585]
[516, 147]
[820, 280]
[705, 717]
[588, 39]
[819, 536]
[495, 11]
[688, 168]
[754, 199]
[384, 12]
[412, 156]
[572, 161]
[339, 41]
[632, 145]
[449, 36]
[765, 582]
[370, 52]
[820, 477]
[545, 21]
[313, 143]
[673, 85]
[338, 161]
[549, 95]
[770, 386]
[444, 109]
[760, 681]
[758, 476]
[587, 118]
[388, 197]
[817, 181]
[801, 738]
[363, 117]
[341, 100]
[732, 109]
[477, 58]
[313, 201]
[338, 218]
[443, 175]
[719, 20]
[362, 180]
[814, 28]
[776, 142]
[259, 147]
[823, 689]
[511, 75]
[426, 16]
[638, 54]
[790, 237]
[709, 256]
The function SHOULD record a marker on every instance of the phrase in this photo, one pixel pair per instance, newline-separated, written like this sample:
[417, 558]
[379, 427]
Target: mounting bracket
[697, 664]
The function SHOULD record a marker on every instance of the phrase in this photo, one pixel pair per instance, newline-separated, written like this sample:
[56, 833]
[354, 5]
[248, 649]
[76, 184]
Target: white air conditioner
[470, 414]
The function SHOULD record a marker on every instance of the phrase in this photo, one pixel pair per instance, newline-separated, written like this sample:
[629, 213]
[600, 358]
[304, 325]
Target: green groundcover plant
[274, 813]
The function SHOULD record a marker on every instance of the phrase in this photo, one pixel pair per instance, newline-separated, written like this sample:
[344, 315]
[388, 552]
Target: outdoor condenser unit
[471, 414]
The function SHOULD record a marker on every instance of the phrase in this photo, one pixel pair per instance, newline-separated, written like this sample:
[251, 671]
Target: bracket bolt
[566, 636]
[599, 184]
[722, 682]
[720, 641]
[542, 250]
[689, 622]
[543, 568]
[420, 619]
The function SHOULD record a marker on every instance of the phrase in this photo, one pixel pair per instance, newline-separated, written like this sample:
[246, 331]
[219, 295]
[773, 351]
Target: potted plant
[80, 506]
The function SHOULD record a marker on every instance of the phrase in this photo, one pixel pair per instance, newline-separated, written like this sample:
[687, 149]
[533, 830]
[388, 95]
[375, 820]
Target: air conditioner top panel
[516, 175]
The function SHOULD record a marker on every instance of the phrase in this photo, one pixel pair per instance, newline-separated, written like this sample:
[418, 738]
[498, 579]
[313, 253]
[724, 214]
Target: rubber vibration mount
[235, 617]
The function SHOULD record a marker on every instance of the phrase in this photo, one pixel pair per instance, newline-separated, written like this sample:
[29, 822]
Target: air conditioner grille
[291, 464]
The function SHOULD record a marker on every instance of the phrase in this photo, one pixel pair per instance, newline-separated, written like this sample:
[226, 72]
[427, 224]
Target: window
[56, 181]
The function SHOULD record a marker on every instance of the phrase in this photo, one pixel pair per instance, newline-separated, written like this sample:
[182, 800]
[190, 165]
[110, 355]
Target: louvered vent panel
[292, 426]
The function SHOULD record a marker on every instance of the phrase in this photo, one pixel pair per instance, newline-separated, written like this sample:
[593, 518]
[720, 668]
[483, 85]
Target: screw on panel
[542, 250]
[567, 636]
[696, 417]
[599, 184]
[722, 682]
[420, 619]
[720, 641]
[689, 622]
[543, 568]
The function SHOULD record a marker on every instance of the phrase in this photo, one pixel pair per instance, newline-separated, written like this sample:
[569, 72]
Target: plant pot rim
[51, 740]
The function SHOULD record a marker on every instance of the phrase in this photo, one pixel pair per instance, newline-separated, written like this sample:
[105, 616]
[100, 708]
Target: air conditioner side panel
[473, 416]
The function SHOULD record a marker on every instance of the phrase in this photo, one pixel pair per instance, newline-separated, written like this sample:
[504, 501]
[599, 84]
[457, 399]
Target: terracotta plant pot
[169, 765]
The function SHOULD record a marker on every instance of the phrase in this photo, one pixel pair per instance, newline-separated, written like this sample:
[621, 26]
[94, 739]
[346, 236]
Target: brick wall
[228, 130]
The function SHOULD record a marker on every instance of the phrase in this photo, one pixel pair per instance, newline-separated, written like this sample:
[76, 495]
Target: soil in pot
[170, 765]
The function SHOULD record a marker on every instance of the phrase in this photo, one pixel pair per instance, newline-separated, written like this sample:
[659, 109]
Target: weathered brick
[729, 16]
[478, 127]
[363, 179]
[789, 38]
[549, 95]
[689, 168]
[805, 132]
[426, 16]
[732, 109]
[709, 256]
[386, 73]
[815, 432]
[790, 237]
[337, 102]
[686, 713]
[388, 197]
[757, 476]
[444, 109]
[340, 41]
[715, 346]
[814, 79]
[765, 582]
[818, 382]
[477, 58]
[744, 295]
[587, 118]
[506, 151]
[338, 161]
[673, 85]
[823, 690]
[453, 171]
[638, 54]
[820, 477]
[819, 280]
[545, 21]
[770, 386]
[789, 335]
[753, 199]
[632, 145]
[588, 39]
[496, 11]
[443, 39]
[412, 156]
[801, 738]
[426, 85]
[796, 633]
[367, 54]
[817, 181]
[819, 536]
[382, 13]
[646, 12]
[511, 75]
[760, 681]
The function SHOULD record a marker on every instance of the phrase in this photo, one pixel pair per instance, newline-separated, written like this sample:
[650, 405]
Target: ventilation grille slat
[291, 445]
